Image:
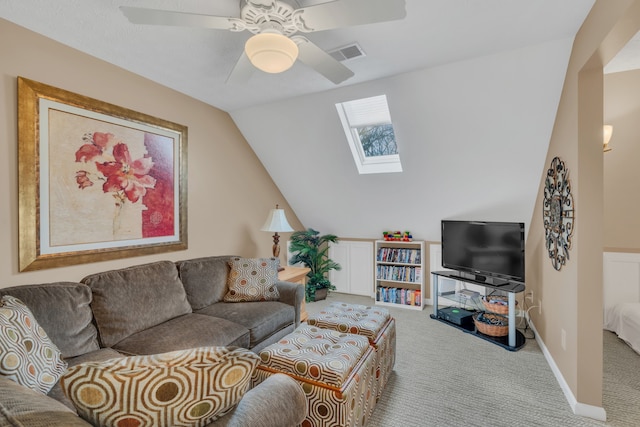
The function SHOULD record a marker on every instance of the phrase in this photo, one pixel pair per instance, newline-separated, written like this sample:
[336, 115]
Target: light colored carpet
[445, 377]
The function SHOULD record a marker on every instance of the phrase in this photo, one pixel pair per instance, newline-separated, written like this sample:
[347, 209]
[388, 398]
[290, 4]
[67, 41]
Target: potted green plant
[311, 249]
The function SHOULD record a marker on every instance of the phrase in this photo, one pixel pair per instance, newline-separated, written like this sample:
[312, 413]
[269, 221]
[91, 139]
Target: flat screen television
[487, 250]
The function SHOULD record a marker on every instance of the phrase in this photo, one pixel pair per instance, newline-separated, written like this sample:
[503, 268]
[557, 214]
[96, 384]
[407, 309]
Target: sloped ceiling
[627, 59]
[197, 61]
[472, 138]
[473, 88]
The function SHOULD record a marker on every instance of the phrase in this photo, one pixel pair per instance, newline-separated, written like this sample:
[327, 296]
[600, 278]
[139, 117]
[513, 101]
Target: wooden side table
[296, 275]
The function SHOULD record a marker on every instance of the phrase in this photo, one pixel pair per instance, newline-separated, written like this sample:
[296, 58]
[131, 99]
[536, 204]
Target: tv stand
[514, 340]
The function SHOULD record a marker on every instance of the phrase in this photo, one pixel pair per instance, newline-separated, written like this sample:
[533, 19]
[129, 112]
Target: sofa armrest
[21, 406]
[291, 294]
[278, 401]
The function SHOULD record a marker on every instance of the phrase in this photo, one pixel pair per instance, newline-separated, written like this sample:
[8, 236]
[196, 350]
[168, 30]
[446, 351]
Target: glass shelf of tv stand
[471, 304]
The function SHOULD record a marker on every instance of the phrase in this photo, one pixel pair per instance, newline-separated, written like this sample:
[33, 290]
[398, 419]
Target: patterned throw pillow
[181, 388]
[27, 355]
[252, 279]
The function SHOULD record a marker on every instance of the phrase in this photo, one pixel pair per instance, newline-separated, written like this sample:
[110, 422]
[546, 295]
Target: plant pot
[320, 294]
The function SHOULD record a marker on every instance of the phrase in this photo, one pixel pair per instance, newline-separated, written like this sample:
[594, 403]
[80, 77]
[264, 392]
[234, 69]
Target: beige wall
[621, 171]
[229, 191]
[571, 299]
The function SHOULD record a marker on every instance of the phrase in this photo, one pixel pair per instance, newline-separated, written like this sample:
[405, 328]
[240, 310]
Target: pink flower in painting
[127, 179]
[97, 143]
[83, 179]
[124, 174]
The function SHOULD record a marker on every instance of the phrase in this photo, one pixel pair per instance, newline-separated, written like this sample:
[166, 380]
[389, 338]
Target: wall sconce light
[607, 131]
[276, 222]
[271, 51]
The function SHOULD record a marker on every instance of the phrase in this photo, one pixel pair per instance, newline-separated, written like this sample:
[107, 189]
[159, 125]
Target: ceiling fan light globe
[271, 52]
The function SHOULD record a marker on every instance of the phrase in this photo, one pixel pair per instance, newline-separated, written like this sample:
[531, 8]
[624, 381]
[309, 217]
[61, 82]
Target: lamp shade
[271, 52]
[607, 131]
[276, 221]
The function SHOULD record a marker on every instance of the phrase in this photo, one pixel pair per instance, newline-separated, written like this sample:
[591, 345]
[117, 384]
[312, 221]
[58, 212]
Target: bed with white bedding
[624, 320]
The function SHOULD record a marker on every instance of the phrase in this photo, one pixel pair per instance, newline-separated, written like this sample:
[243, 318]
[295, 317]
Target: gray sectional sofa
[149, 309]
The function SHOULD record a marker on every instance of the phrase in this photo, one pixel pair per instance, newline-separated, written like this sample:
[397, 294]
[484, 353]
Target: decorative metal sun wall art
[558, 213]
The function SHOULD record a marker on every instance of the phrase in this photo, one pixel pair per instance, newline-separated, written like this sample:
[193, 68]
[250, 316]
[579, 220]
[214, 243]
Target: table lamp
[276, 222]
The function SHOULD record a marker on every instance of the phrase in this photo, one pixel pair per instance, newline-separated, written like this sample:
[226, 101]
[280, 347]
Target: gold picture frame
[96, 181]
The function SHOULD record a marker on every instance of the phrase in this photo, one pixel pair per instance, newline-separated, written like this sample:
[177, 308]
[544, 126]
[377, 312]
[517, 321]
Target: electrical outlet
[540, 307]
[529, 296]
[563, 339]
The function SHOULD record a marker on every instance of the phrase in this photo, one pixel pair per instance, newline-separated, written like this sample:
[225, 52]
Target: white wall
[472, 138]
[621, 278]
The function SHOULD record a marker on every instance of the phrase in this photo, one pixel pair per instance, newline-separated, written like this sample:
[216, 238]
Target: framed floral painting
[96, 181]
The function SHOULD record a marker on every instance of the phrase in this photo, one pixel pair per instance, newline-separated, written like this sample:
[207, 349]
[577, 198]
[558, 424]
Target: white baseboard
[582, 409]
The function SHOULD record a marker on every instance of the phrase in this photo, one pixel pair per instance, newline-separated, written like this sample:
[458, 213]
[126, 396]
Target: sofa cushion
[187, 387]
[63, 310]
[133, 299]
[27, 355]
[187, 331]
[204, 279]
[252, 279]
[262, 319]
[21, 406]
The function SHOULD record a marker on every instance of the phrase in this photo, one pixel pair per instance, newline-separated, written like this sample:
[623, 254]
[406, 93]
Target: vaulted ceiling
[197, 61]
[472, 86]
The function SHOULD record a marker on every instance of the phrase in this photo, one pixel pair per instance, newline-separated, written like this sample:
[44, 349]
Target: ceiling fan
[275, 46]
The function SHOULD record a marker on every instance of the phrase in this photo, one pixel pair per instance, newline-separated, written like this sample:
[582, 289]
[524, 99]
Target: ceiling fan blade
[321, 61]
[347, 13]
[242, 71]
[138, 15]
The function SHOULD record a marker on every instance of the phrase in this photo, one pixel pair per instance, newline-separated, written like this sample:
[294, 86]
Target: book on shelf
[399, 296]
[398, 273]
[398, 255]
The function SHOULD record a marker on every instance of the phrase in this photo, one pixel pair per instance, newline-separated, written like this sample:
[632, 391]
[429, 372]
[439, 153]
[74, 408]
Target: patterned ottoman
[336, 371]
[375, 323]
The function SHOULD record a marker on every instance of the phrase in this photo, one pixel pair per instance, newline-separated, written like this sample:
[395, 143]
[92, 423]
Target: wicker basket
[490, 329]
[496, 307]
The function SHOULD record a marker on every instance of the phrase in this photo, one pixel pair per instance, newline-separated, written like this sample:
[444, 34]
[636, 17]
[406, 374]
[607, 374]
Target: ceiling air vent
[347, 52]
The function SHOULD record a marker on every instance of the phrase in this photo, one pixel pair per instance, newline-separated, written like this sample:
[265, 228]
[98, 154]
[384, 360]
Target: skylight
[369, 131]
